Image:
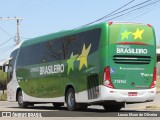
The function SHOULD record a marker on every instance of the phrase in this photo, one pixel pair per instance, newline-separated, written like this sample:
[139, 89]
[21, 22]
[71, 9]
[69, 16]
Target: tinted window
[59, 49]
[131, 33]
[11, 65]
[13, 56]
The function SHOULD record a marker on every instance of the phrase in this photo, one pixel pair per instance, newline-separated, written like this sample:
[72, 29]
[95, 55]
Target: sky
[41, 17]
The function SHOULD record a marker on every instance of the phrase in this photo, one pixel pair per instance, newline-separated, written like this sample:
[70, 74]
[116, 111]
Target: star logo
[70, 62]
[138, 34]
[125, 35]
[83, 56]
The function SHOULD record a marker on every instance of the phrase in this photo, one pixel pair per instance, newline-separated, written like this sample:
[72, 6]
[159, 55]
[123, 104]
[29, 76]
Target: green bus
[106, 64]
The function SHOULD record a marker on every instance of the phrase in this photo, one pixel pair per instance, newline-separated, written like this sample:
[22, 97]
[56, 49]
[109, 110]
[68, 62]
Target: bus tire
[21, 103]
[70, 100]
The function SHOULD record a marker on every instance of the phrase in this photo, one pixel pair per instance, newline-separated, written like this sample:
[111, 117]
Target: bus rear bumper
[119, 95]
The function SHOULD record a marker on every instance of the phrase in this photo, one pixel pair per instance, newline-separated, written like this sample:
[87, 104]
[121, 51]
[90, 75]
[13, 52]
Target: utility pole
[18, 33]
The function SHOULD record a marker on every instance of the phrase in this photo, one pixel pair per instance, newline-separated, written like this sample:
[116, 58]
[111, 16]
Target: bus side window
[11, 65]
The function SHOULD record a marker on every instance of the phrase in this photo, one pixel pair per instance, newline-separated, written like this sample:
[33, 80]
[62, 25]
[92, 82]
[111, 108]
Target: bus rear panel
[130, 75]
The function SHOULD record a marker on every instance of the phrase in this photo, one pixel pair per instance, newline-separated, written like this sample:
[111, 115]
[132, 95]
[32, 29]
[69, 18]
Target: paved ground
[147, 106]
[93, 111]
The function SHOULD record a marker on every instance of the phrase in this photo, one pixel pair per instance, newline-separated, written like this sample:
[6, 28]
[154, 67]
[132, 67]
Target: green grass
[3, 97]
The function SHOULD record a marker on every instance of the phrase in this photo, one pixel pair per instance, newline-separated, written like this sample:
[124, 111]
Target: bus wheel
[70, 100]
[21, 103]
[112, 108]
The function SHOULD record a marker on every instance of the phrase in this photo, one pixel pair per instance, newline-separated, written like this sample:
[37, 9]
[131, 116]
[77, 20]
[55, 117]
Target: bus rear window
[131, 34]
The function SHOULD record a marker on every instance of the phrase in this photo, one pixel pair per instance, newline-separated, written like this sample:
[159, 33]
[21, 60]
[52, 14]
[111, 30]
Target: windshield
[131, 34]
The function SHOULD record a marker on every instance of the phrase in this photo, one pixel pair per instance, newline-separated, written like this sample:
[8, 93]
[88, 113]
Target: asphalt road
[48, 110]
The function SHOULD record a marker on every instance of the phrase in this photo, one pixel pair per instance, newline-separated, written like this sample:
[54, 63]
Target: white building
[4, 62]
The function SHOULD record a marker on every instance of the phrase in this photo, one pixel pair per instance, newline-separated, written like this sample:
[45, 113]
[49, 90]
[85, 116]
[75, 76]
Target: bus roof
[70, 32]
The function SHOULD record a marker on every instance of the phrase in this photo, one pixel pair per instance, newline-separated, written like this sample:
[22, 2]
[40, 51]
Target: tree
[3, 79]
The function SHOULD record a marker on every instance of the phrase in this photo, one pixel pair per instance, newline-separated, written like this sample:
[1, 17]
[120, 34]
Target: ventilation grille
[93, 86]
[127, 59]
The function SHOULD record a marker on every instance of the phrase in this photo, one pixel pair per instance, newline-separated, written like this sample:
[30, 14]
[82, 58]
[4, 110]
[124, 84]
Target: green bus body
[118, 56]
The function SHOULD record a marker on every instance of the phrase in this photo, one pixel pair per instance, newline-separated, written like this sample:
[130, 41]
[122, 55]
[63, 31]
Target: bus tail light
[107, 78]
[153, 84]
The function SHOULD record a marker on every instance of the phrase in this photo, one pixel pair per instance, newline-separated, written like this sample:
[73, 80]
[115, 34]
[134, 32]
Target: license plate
[132, 93]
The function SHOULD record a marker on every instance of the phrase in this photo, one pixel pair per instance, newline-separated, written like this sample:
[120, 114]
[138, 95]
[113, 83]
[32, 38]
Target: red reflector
[132, 93]
[110, 23]
[149, 25]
